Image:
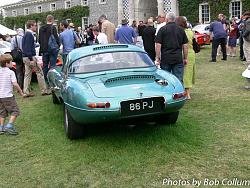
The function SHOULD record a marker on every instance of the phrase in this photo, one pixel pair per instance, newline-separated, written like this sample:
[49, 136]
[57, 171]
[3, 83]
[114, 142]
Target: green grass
[210, 140]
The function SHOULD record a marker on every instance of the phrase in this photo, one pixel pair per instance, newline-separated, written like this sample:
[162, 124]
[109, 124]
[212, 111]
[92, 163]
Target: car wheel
[167, 119]
[54, 98]
[73, 130]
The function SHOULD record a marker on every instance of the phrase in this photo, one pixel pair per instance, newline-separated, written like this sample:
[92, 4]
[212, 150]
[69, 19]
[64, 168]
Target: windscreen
[110, 61]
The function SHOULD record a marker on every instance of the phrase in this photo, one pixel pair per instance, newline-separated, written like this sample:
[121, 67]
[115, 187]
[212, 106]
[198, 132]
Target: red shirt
[233, 33]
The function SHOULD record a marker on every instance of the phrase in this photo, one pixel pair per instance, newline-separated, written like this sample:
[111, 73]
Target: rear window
[110, 61]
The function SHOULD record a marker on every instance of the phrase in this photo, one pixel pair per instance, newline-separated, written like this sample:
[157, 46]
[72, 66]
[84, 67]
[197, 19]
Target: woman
[189, 70]
[232, 38]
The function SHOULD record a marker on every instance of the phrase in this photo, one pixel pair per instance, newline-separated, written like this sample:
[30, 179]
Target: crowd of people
[169, 43]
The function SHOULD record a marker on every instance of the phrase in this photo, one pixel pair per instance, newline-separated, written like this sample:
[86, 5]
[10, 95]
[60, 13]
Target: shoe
[47, 93]
[223, 59]
[10, 130]
[1, 130]
[212, 61]
[247, 87]
[28, 95]
[243, 59]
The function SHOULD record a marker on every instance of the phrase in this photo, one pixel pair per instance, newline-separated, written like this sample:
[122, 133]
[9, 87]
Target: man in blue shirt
[219, 38]
[125, 34]
[67, 39]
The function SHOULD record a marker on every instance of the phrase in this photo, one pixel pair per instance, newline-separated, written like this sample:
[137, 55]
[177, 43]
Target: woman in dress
[189, 69]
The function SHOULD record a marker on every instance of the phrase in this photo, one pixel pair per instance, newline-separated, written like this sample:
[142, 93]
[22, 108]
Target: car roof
[200, 26]
[97, 49]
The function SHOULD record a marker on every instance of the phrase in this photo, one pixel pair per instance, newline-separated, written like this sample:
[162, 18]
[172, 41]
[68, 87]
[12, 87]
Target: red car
[202, 39]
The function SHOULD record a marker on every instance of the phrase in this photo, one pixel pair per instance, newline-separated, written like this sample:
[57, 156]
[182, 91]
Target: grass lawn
[210, 140]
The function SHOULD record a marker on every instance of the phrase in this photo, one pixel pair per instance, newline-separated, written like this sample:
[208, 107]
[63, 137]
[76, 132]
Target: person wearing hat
[161, 21]
[125, 34]
[16, 42]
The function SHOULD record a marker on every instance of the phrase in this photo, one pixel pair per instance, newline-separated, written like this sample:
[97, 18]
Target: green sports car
[113, 83]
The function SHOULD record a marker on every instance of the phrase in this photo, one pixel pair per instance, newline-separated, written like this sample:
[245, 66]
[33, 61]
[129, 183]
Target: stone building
[115, 10]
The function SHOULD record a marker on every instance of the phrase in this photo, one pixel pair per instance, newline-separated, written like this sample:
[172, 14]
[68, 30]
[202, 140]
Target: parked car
[202, 39]
[202, 34]
[202, 28]
[110, 83]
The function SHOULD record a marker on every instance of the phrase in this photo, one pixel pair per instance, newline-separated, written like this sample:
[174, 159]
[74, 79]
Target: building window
[26, 11]
[67, 4]
[84, 2]
[14, 13]
[204, 13]
[235, 9]
[39, 9]
[52, 6]
[85, 22]
[102, 1]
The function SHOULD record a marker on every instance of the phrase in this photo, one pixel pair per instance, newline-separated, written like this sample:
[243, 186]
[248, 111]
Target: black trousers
[20, 73]
[151, 54]
[216, 42]
[241, 47]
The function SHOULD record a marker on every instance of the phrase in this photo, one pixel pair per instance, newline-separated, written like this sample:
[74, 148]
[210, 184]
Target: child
[8, 103]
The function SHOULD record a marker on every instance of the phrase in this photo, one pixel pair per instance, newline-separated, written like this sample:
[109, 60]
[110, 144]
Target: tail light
[177, 96]
[99, 105]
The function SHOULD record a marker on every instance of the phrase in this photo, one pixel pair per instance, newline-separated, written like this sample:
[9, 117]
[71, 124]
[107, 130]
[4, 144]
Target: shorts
[232, 42]
[8, 106]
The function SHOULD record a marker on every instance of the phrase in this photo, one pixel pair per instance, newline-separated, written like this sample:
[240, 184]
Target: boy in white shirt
[8, 103]
[101, 37]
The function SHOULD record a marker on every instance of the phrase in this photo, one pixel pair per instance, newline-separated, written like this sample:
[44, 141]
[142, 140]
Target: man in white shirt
[101, 38]
[161, 20]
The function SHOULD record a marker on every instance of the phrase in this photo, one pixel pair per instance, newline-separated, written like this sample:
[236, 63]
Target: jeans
[175, 69]
[20, 73]
[49, 61]
[241, 47]
[216, 42]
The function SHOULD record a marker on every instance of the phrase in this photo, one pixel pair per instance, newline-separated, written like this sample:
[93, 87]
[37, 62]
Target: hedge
[190, 8]
[75, 14]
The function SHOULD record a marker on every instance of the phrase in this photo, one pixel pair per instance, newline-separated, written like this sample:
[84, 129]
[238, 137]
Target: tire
[72, 129]
[168, 119]
[54, 98]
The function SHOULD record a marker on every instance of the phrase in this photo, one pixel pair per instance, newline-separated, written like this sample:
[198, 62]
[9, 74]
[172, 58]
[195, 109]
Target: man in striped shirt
[8, 103]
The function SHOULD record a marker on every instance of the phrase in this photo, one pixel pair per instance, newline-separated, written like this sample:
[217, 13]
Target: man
[241, 29]
[49, 56]
[141, 27]
[81, 37]
[246, 37]
[171, 43]
[160, 22]
[67, 39]
[217, 28]
[108, 28]
[101, 38]
[30, 61]
[148, 37]
[125, 34]
[16, 42]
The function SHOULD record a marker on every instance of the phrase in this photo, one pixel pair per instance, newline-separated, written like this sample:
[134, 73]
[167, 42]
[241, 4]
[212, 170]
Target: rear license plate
[142, 106]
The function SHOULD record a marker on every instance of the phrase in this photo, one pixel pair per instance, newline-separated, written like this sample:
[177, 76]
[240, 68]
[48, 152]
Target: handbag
[52, 44]
[17, 53]
[196, 46]
[76, 39]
